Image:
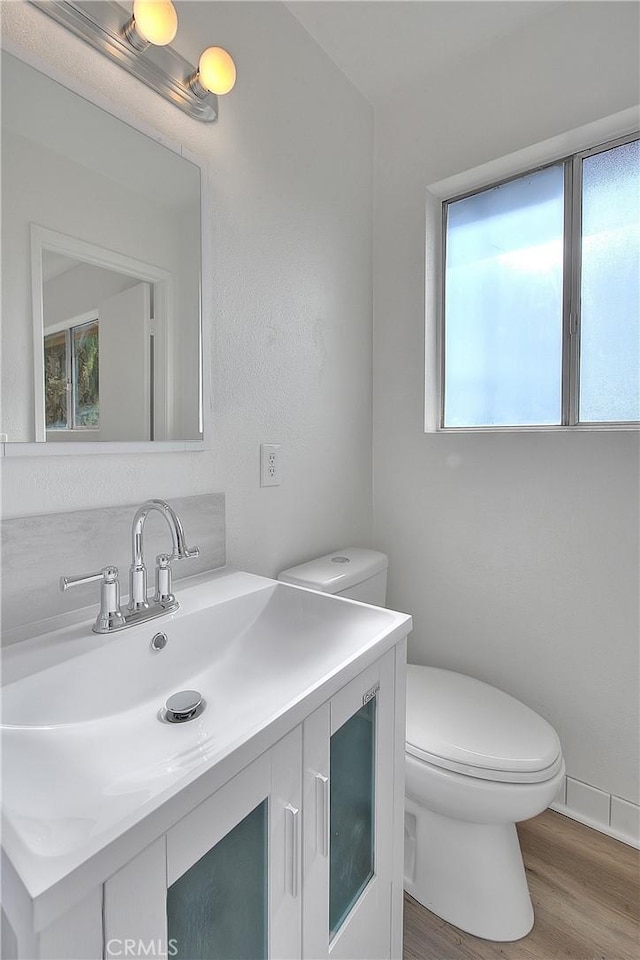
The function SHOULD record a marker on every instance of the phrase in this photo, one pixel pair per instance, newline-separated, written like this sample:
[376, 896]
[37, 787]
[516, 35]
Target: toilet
[477, 761]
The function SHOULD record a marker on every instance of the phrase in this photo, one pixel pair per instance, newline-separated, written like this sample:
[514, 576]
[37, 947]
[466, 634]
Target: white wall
[517, 554]
[288, 289]
[78, 290]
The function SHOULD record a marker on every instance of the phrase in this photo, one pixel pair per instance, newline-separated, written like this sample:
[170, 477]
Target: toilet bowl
[477, 762]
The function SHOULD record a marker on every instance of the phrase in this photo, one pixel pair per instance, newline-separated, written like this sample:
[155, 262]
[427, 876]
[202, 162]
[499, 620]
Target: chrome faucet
[138, 571]
[140, 608]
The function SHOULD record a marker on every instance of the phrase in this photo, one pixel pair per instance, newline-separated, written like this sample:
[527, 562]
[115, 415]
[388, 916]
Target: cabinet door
[348, 758]
[224, 884]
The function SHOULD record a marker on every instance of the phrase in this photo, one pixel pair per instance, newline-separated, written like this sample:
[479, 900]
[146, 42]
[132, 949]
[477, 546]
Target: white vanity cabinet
[225, 881]
[294, 857]
[269, 826]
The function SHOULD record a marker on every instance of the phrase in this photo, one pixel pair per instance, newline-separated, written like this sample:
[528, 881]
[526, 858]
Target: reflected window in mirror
[71, 378]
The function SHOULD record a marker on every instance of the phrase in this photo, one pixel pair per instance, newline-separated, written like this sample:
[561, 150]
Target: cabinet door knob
[322, 814]
[292, 844]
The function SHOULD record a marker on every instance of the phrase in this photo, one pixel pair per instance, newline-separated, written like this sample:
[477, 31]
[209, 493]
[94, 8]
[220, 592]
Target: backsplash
[38, 550]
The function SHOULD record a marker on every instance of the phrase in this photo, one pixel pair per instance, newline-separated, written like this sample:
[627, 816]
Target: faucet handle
[164, 590]
[164, 593]
[108, 574]
[110, 617]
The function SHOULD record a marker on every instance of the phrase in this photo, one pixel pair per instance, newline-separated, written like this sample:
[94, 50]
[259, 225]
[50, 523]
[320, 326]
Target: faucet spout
[138, 571]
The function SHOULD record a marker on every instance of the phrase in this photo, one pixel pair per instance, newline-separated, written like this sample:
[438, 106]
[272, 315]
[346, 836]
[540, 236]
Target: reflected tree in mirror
[85, 379]
[56, 380]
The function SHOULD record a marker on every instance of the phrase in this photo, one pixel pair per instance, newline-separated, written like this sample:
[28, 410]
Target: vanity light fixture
[139, 39]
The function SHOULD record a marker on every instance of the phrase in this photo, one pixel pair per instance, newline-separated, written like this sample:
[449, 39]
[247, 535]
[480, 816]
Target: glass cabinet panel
[352, 805]
[217, 910]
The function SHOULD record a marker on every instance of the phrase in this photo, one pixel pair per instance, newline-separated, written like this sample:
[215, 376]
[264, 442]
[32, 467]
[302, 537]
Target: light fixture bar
[101, 23]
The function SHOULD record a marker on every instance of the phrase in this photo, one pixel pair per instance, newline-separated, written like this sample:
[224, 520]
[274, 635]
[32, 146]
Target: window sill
[542, 428]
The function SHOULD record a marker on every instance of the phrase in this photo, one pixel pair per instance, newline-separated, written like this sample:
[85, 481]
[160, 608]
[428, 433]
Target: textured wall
[516, 554]
[287, 290]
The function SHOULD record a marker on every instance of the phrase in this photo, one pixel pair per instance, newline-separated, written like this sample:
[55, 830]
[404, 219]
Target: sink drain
[183, 706]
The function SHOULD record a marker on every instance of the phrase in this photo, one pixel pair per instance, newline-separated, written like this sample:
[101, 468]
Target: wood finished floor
[585, 889]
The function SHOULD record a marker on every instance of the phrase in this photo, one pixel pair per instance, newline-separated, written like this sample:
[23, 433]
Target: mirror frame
[19, 448]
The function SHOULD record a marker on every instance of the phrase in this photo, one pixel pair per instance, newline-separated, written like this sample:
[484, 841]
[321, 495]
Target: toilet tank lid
[337, 571]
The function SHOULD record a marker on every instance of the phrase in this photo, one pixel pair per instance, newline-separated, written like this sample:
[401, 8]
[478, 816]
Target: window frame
[571, 306]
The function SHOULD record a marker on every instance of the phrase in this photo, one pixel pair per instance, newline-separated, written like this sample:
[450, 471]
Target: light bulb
[216, 71]
[156, 20]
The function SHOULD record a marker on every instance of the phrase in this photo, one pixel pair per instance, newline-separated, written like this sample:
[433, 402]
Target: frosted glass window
[217, 910]
[610, 286]
[503, 304]
[352, 786]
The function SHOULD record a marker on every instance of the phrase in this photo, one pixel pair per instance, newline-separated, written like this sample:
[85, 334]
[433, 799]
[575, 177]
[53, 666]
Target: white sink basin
[86, 753]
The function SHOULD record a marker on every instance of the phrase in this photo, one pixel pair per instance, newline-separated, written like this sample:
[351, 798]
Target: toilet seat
[464, 725]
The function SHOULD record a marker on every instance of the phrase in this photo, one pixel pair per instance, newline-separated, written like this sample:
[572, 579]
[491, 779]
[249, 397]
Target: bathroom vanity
[268, 825]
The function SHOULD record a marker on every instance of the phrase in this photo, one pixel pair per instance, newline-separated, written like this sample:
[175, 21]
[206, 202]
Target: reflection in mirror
[104, 321]
[101, 273]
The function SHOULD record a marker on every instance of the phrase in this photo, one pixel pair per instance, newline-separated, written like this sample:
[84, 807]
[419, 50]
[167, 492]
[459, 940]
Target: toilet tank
[353, 572]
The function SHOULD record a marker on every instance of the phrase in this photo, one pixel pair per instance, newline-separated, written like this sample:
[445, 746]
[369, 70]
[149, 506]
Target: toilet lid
[463, 724]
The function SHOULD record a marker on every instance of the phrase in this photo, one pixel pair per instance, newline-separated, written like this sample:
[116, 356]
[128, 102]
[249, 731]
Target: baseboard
[599, 810]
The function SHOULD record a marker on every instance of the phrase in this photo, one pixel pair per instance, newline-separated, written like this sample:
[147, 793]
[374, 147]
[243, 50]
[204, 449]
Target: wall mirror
[101, 255]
